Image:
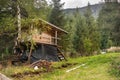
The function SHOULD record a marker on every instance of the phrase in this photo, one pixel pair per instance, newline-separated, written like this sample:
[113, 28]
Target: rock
[36, 68]
[3, 77]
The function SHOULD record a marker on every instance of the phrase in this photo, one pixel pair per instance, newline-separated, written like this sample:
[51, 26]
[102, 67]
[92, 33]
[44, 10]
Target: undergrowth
[115, 67]
[96, 68]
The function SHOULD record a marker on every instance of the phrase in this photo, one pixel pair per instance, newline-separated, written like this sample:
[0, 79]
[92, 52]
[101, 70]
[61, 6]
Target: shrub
[115, 67]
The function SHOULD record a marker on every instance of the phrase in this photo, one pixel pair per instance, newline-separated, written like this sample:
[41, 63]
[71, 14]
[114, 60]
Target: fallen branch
[75, 68]
[42, 64]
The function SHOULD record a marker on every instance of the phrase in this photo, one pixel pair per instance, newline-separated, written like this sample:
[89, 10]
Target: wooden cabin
[46, 40]
[50, 36]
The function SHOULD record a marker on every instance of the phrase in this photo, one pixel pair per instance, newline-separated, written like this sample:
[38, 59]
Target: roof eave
[52, 25]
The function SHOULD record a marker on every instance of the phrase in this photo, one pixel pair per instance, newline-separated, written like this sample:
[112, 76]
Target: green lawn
[95, 68]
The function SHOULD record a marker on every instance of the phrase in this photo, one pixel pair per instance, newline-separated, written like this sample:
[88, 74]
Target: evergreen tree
[115, 33]
[57, 16]
[92, 40]
[109, 24]
[36, 8]
[80, 34]
[67, 41]
[8, 18]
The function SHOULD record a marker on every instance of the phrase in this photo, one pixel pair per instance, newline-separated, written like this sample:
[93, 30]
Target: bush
[115, 67]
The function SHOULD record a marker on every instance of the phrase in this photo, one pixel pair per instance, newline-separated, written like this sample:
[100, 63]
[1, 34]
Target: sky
[77, 3]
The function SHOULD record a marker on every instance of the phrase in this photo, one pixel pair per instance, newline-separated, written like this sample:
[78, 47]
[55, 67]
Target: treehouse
[45, 37]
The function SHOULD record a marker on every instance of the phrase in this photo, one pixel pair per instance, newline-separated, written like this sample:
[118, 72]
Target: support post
[43, 50]
[56, 34]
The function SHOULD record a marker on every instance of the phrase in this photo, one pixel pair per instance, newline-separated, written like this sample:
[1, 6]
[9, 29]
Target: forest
[87, 35]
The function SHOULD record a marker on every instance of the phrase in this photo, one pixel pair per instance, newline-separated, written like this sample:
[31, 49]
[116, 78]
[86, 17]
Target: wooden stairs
[61, 55]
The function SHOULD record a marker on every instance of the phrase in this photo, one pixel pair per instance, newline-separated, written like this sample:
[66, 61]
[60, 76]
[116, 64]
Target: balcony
[45, 39]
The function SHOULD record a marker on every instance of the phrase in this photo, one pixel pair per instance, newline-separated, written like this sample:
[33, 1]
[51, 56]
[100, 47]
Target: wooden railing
[47, 40]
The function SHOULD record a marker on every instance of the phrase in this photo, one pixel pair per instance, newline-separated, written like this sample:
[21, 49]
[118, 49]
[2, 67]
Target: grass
[115, 67]
[96, 68]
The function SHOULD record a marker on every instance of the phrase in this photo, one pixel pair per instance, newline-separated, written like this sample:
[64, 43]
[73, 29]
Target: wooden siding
[44, 38]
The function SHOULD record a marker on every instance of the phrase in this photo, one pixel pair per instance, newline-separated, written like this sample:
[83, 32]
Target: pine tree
[8, 19]
[109, 24]
[67, 41]
[92, 41]
[116, 23]
[57, 16]
[80, 34]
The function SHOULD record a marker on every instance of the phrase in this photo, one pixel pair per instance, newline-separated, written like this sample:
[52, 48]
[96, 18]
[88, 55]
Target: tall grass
[96, 68]
[115, 67]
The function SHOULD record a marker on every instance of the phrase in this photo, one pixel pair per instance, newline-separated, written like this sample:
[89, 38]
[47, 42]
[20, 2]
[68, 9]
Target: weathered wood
[42, 64]
[46, 38]
[56, 34]
[43, 50]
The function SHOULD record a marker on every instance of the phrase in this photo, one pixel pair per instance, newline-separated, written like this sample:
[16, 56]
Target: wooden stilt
[56, 33]
[43, 49]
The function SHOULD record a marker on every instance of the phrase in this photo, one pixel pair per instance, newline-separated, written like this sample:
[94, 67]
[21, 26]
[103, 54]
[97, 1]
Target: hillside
[85, 68]
[95, 9]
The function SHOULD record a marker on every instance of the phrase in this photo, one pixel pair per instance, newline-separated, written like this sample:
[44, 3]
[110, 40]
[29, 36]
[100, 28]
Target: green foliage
[8, 24]
[8, 19]
[91, 71]
[80, 35]
[6, 42]
[88, 46]
[85, 35]
[67, 39]
[86, 38]
[93, 36]
[108, 22]
[57, 17]
[115, 67]
[36, 8]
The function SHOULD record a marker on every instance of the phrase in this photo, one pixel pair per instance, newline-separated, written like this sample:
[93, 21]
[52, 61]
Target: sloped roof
[53, 26]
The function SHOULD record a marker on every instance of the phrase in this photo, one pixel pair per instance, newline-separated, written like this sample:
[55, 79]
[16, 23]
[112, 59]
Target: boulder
[3, 77]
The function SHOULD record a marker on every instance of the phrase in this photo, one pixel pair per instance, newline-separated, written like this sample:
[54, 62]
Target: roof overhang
[53, 26]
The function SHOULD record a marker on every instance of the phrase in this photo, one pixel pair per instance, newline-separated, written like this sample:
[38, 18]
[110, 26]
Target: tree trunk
[19, 21]
[29, 56]
[3, 77]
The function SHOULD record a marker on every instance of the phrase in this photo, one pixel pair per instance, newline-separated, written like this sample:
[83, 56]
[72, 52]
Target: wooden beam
[56, 34]
[43, 49]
